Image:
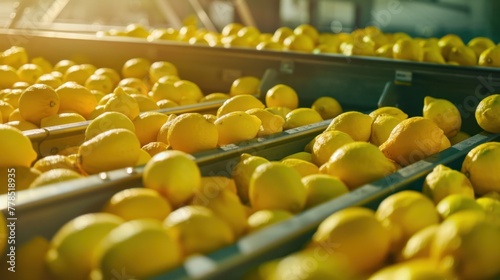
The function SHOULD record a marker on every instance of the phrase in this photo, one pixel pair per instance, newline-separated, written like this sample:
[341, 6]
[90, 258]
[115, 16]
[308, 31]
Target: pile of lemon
[369, 41]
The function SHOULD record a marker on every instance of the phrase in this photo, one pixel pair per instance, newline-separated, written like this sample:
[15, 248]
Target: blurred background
[418, 18]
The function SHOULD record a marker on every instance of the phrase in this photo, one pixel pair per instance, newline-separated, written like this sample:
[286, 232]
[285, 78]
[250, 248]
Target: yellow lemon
[490, 57]
[165, 90]
[137, 67]
[271, 123]
[433, 55]
[358, 163]
[107, 121]
[145, 102]
[239, 103]
[264, 218]
[237, 126]
[54, 176]
[144, 157]
[307, 29]
[49, 80]
[14, 56]
[382, 127]
[163, 133]
[304, 168]
[198, 230]
[29, 73]
[384, 51]
[73, 245]
[455, 203]
[191, 133]
[463, 55]
[356, 234]
[300, 155]
[215, 96]
[5, 110]
[224, 203]
[189, 91]
[123, 103]
[77, 73]
[165, 103]
[77, 98]
[275, 185]
[159, 69]
[389, 110]
[280, 111]
[480, 44]
[407, 49]
[231, 29]
[414, 139]
[118, 250]
[359, 46]
[414, 269]
[138, 203]
[54, 161]
[444, 181]
[8, 75]
[459, 137]
[300, 117]
[448, 42]
[444, 113]
[147, 125]
[326, 143]
[486, 113]
[163, 34]
[245, 85]
[37, 102]
[269, 45]
[299, 43]
[491, 207]
[24, 177]
[281, 34]
[62, 65]
[282, 95]
[405, 213]
[321, 188]
[480, 167]
[11, 96]
[419, 244]
[133, 85]
[111, 73]
[466, 243]
[174, 174]
[215, 184]
[61, 119]
[136, 30]
[16, 148]
[356, 124]
[113, 149]
[152, 148]
[99, 82]
[328, 107]
[242, 172]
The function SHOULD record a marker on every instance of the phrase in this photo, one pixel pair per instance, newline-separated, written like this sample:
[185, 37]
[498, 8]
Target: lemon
[461, 136]
[29, 73]
[326, 143]
[321, 188]
[117, 253]
[239, 103]
[163, 133]
[300, 117]
[382, 127]
[191, 133]
[37, 102]
[480, 167]
[113, 149]
[433, 55]
[54, 176]
[73, 245]
[146, 103]
[237, 126]
[463, 55]
[359, 46]
[198, 230]
[14, 56]
[448, 42]
[5, 110]
[123, 103]
[77, 73]
[444, 113]
[24, 177]
[491, 207]
[245, 85]
[162, 90]
[490, 57]
[466, 243]
[49, 80]
[328, 107]
[107, 121]
[455, 203]
[389, 110]
[430, 43]
[384, 51]
[356, 124]
[190, 92]
[133, 85]
[77, 98]
[61, 119]
[356, 234]
[264, 218]
[275, 185]
[147, 125]
[52, 162]
[485, 114]
[16, 116]
[224, 203]
[407, 49]
[99, 82]
[8, 75]
[282, 95]
[419, 244]
[358, 163]
[308, 264]
[11, 96]
[414, 139]
[269, 46]
[16, 148]
[444, 181]
[242, 172]
[137, 67]
[174, 174]
[414, 269]
[299, 43]
[480, 44]
[144, 157]
[304, 168]
[152, 148]
[271, 123]
[165, 103]
[231, 29]
[405, 213]
[138, 203]
[214, 96]
[300, 155]
[30, 261]
[159, 69]
[62, 65]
